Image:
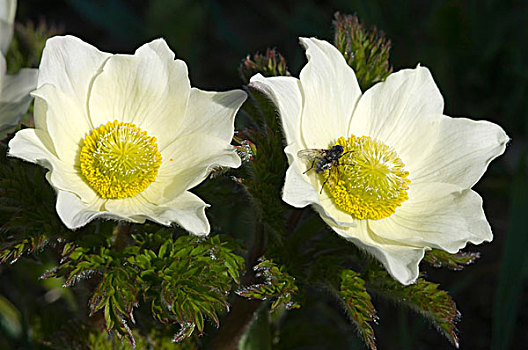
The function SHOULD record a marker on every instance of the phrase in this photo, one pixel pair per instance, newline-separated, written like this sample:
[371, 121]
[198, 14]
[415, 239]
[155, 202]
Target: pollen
[119, 160]
[369, 181]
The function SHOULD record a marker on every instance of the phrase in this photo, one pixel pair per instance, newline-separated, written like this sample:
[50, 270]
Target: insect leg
[324, 183]
[310, 168]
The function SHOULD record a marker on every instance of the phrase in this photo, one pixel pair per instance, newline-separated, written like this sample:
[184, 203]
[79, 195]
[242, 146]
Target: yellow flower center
[118, 160]
[369, 181]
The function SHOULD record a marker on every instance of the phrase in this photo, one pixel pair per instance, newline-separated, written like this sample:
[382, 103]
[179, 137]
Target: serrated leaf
[163, 249]
[359, 305]
[441, 258]
[423, 297]
[278, 285]
[108, 317]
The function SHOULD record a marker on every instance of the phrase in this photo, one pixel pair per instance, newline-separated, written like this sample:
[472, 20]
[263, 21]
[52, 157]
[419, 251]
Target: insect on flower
[322, 159]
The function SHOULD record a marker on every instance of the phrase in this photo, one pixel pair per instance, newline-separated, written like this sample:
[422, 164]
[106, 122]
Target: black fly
[322, 159]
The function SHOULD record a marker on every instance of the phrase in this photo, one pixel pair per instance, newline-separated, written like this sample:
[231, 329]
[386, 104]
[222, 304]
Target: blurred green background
[477, 53]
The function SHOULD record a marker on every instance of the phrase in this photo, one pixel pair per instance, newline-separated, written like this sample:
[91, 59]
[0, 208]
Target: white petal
[452, 150]
[286, 94]
[15, 98]
[298, 191]
[135, 209]
[70, 65]
[3, 68]
[186, 163]
[330, 92]
[17, 87]
[401, 261]
[212, 113]
[32, 146]
[146, 89]
[188, 211]
[437, 215]
[7, 17]
[301, 190]
[61, 112]
[75, 213]
[389, 110]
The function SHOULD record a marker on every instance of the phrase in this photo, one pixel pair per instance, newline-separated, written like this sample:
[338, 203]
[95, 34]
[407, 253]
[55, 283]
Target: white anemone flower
[398, 179]
[7, 19]
[125, 136]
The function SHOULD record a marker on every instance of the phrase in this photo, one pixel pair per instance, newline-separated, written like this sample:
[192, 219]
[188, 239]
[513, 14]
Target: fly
[322, 159]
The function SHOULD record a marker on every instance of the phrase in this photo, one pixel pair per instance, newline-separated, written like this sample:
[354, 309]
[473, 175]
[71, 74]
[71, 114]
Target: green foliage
[358, 305]
[423, 297]
[27, 209]
[278, 285]
[269, 65]
[366, 51]
[183, 279]
[441, 258]
[81, 336]
[27, 44]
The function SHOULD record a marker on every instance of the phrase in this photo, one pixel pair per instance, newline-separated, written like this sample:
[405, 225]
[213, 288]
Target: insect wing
[311, 153]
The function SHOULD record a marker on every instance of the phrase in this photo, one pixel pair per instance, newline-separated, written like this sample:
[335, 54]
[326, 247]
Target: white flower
[125, 136]
[7, 18]
[403, 182]
[14, 89]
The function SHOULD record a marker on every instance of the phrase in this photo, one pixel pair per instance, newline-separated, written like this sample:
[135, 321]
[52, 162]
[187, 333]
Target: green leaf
[441, 258]
[423, 297]
[278, 285]
[358, 305]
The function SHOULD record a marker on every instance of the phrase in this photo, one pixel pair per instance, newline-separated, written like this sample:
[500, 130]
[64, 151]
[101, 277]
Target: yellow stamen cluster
[118, 160]
[369, 181]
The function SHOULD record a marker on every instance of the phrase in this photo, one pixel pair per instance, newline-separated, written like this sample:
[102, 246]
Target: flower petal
[298, 191]
[188, 211]
[437, 215]
[14, 96]
[401, 261]
[330, 91]
[75, 213]
[32, 146]
[389, 110]
[186, 163]
[70, 65]
[452, 150]
[146, 89]
[63, 122]
[17, 87]
[7, 17]
[286, 95]
[212, 113]
[301, 190]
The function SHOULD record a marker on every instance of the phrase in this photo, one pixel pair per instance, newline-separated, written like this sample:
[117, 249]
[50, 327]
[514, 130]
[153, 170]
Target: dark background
[476, 51]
